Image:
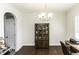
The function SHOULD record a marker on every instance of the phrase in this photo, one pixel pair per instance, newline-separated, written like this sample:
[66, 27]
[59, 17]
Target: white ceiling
[34, 7]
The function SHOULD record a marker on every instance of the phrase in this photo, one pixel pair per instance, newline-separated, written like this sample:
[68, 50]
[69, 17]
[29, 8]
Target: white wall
[25, 26]
[8, 8]
[57, 28]
[74, 11]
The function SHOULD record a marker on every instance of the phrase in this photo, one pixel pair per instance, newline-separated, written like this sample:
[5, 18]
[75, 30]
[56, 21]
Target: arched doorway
[9, 30]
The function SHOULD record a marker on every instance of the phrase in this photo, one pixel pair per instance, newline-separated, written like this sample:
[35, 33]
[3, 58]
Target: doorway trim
[15, 27]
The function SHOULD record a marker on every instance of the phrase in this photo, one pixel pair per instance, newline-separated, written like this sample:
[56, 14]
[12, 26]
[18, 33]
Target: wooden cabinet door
[42, 44]
[39, 44]
[45, 44]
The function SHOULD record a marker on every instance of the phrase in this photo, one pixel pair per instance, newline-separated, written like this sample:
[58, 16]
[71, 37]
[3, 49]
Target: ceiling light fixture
[45, 15]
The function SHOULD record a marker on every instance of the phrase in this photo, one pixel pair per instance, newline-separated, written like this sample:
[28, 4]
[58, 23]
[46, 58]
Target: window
[77, 27]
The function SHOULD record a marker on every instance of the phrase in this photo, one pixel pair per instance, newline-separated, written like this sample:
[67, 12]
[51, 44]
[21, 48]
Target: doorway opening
[9, 30]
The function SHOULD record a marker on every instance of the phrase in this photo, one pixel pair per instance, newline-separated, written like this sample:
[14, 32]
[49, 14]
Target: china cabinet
[41, 35]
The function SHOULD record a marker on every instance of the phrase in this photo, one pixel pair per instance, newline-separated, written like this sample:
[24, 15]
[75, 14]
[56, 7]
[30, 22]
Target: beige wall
[57, 28]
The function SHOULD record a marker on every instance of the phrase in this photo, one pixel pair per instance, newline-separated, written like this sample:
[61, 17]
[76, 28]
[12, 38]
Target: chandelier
[45, 15]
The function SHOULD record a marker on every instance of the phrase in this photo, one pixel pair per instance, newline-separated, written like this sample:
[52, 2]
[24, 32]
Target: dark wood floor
[30, 50]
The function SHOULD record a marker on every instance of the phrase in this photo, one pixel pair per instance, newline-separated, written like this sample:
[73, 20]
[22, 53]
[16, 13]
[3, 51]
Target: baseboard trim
[18, 49]
[28, 45]
[54, 45]
[49, 45]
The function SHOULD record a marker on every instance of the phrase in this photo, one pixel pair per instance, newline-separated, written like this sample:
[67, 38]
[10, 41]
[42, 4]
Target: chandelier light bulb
[50, 15]
[43, 14]
[39, 16]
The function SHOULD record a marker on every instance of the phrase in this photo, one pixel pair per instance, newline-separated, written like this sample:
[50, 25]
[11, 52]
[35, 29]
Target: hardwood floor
[30, 50]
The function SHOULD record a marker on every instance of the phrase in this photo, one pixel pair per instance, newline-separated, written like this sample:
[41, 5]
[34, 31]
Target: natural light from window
[77, 28]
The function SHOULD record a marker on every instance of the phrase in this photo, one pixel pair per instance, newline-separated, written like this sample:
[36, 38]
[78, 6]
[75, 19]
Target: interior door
[9, 32]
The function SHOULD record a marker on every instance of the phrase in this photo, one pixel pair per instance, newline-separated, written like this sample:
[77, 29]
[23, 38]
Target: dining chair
[65, 49]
